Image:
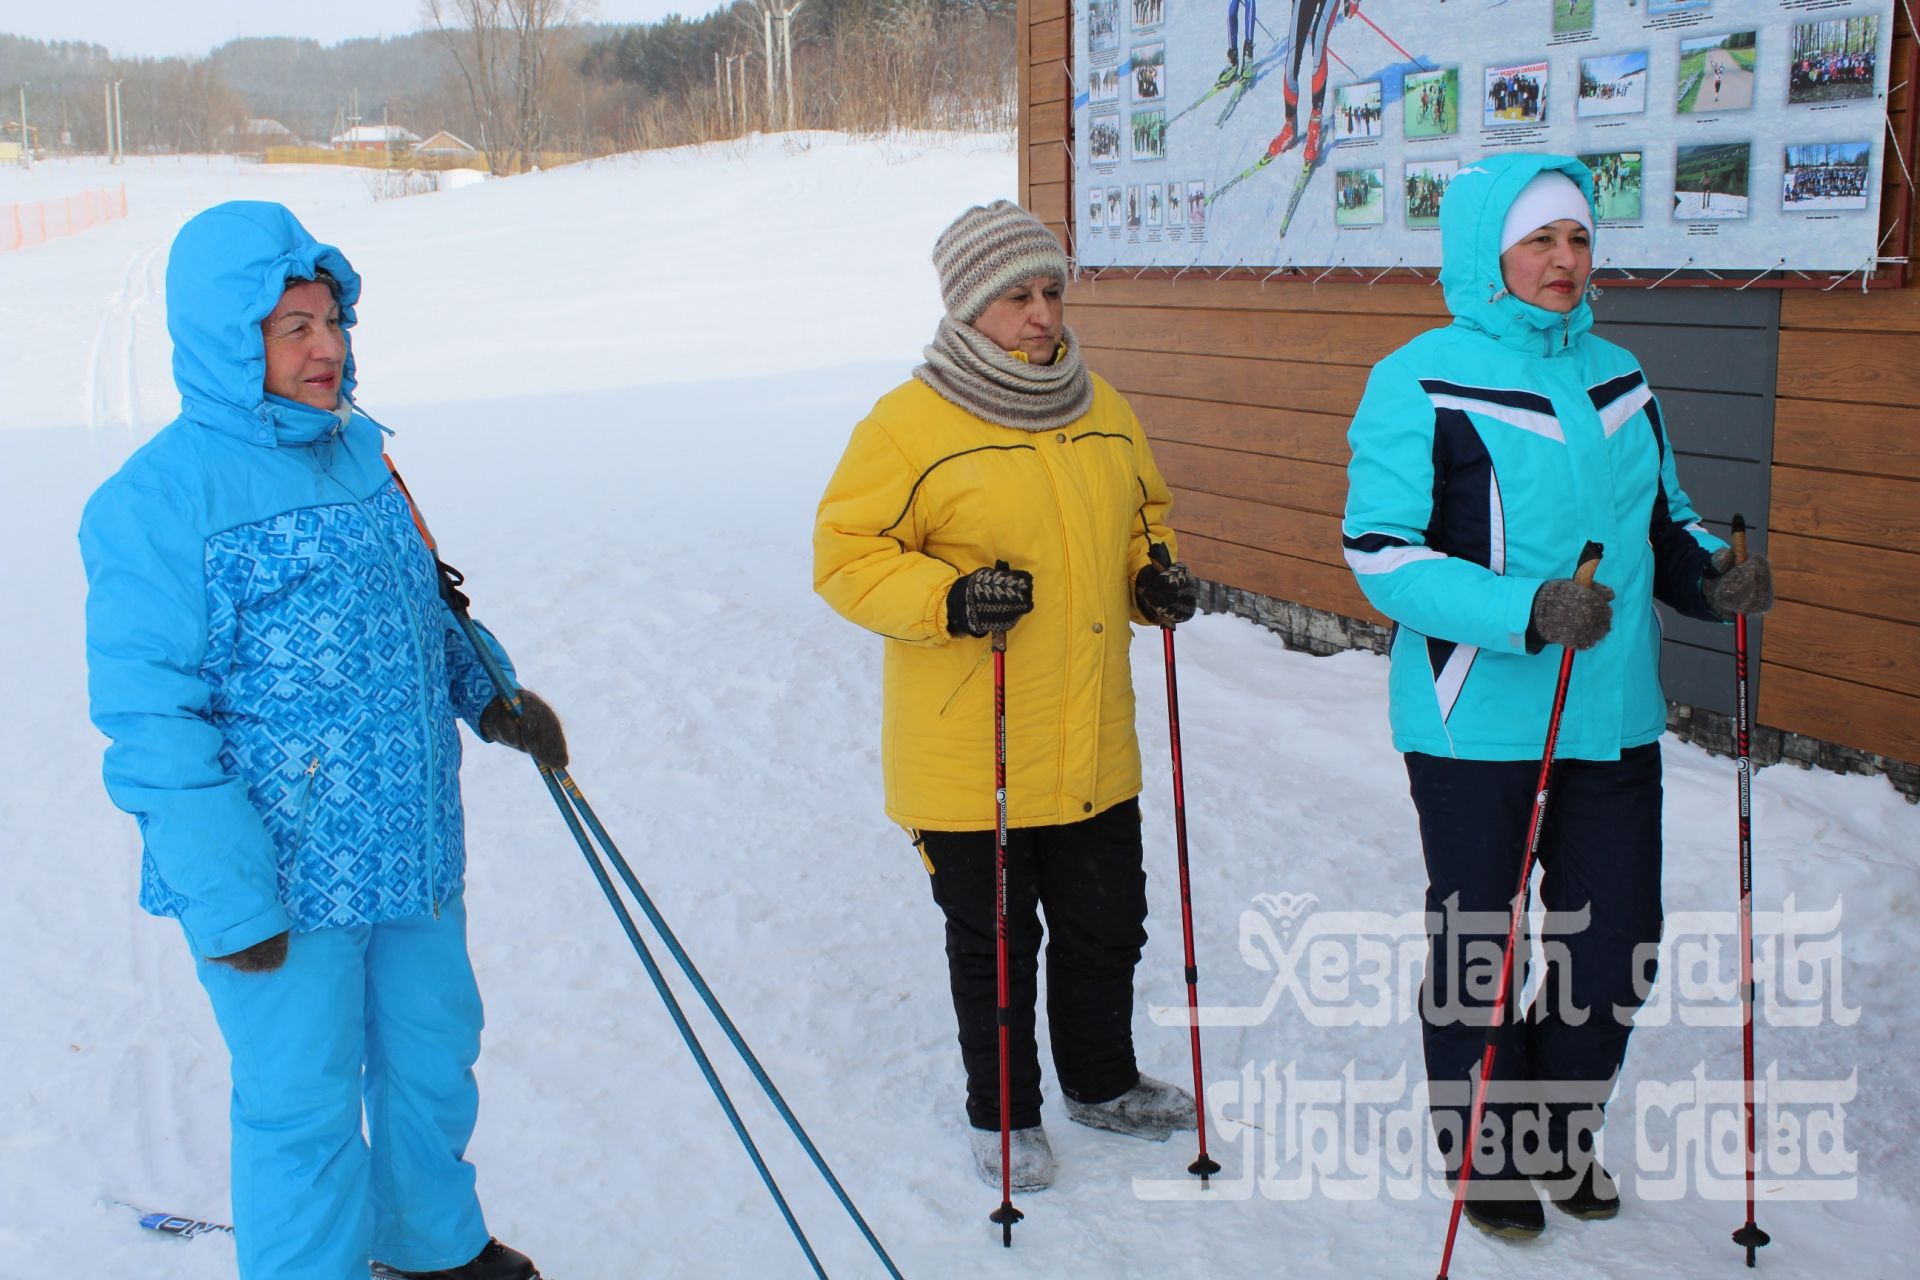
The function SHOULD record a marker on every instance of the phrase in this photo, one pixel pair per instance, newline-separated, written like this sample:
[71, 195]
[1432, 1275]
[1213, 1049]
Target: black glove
[989, 600]
[535, 731]
[1566, 613]
[261, 957]
[1167, 595]
[1732, 588]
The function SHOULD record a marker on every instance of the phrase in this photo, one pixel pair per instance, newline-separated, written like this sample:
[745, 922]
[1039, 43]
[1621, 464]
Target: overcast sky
[193, 27]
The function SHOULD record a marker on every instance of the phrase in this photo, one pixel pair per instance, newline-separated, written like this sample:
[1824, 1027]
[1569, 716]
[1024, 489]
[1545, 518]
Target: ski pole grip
[1000, 635]
[1589, 562]
[1739, 538]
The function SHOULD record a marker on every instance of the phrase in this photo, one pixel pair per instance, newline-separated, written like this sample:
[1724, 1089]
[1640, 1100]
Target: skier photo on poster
[1710, 182]
[1614, 85]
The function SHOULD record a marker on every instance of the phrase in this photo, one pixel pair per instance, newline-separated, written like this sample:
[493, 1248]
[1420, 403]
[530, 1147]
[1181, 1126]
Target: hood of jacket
[1471, 217]
[227, 270]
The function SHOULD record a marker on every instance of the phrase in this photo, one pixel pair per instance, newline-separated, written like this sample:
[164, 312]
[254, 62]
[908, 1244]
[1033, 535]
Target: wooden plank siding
[1246, 389]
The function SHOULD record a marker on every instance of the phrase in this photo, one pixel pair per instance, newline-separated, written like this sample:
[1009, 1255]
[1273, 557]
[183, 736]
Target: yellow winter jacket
[926, 492]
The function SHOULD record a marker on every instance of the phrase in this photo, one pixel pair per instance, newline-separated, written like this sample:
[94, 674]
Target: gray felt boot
[1032, 1158]
[1152, 1109]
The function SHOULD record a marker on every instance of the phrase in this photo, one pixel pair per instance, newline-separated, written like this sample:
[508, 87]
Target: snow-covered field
[618, 390]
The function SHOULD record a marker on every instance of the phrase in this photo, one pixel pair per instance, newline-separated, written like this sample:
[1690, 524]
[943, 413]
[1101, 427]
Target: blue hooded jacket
[1485, 455]
[267, 647]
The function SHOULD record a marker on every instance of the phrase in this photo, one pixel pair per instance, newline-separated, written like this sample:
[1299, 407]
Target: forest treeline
[575, 87]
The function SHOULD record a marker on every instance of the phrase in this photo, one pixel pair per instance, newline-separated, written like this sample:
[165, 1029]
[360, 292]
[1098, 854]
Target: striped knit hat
[988, 250]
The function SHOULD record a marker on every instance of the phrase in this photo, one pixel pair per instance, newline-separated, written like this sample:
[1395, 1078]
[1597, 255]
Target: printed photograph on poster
[1097, 208]
[1356, 111]
[1148, 13]
[1516, 95]
[1826, 175]
[1149, 63]
[1658, 7]
[1431, 103]
[1426, 183]
[1710, 182]
[1614, 85]
[1103, 26]
[1103, 85]
[1113, 206]
[1103, 139]
[1196, 204]
[1176, 206]
[1360, 197]
[1833, 61]
[1156, 213]
[1150, 134]
[1716, 73]
[1133, 205]
[1571, 16]
[1616, 184]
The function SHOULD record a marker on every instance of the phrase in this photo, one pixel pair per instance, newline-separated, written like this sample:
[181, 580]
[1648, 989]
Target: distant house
[374, 137]
[258, 133]
[446, 144]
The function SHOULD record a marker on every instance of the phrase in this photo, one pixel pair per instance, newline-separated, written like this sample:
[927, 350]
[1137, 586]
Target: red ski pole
[1006, 1215]
[1749, 1236]
[1589, 561]
[1205, 1165]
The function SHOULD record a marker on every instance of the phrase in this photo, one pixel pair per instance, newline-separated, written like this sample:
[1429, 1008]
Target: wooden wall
[1246, 391]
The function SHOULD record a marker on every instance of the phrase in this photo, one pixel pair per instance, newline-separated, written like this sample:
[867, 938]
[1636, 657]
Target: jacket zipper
[431, 853]
[306, 811]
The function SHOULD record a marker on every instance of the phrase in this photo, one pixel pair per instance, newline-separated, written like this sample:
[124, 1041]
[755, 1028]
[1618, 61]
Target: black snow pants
[1087, 876]
[1600, 858]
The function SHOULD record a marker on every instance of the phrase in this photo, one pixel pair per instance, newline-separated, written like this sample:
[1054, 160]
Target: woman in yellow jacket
[1005, 484]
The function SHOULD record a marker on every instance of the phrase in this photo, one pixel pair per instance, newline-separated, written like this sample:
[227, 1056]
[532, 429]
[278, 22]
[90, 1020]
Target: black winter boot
[1520, 1218]
[495, 1262]
[1593, 1197]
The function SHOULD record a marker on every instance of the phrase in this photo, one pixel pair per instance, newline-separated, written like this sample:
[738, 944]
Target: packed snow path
[618, 390]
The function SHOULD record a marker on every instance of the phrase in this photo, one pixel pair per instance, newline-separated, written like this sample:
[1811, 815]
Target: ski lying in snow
[174, 1224]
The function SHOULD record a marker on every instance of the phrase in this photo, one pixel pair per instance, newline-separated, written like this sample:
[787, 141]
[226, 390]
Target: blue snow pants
[1600, 855]
[381, 1018]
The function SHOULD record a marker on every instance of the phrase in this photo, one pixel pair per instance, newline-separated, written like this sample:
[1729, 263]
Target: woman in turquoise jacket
[269, 654]
[1485, 455]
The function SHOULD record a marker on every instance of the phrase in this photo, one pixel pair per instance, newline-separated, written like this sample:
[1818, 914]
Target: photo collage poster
[1722, 134]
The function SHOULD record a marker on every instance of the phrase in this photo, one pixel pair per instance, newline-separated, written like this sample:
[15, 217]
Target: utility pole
[118, 127]
[26, 135]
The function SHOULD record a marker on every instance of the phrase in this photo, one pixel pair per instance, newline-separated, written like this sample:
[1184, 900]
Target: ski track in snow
[618, 391]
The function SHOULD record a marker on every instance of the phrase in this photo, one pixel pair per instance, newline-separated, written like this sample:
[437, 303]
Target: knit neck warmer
[970, 370]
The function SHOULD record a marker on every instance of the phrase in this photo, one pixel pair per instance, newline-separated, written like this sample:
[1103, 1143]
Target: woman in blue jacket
[1485, 455]
[270, 656]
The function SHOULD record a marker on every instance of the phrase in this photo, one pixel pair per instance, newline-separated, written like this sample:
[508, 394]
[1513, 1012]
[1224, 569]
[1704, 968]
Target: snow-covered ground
[618, 390]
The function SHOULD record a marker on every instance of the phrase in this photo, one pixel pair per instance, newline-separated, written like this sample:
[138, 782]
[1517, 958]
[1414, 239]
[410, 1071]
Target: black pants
[1088, 878]
[1600, 858]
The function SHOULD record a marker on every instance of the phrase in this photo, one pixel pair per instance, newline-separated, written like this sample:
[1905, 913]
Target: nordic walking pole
[1749, 1236]
[1205, 1165]
[1006, 1215]
[1589, 562]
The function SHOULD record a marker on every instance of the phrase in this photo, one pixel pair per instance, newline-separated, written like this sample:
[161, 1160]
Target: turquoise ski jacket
[267, 648]
[1485, 455]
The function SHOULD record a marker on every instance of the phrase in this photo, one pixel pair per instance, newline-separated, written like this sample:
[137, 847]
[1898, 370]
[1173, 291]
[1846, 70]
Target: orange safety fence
[38, 221]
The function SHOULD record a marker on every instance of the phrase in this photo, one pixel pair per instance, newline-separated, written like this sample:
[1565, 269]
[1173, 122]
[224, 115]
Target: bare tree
[505, 52]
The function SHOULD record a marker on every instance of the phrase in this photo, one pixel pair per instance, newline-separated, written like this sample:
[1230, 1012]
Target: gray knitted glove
[261, 957]
[989, 600]
[1732, 588]
[1168, 596]
[1566, 613]
[537, 731]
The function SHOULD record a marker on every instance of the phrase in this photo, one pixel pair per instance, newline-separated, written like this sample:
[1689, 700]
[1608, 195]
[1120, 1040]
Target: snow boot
[1032, 1158]
[1151, 1109]
[1232, 71]
[1509, 1210]
[1593, 1197]
[495, 1262]
[1246, 60]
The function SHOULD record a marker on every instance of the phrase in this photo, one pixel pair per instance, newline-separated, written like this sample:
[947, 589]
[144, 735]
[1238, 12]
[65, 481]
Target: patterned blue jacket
[266, 644]
[1485, 455]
